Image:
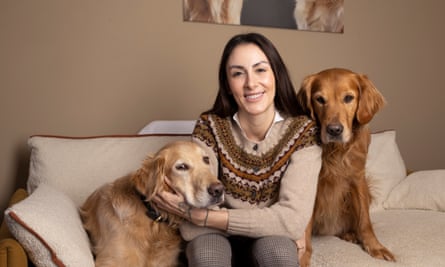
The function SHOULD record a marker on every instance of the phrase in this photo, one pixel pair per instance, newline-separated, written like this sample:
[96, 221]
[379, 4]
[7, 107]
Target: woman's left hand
[301, 246]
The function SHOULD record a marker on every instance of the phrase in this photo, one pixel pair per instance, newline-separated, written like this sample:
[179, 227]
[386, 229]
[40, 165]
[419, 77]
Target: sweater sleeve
[290, 215]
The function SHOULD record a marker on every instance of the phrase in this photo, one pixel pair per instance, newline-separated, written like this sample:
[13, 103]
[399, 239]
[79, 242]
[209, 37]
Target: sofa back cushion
[77, 166]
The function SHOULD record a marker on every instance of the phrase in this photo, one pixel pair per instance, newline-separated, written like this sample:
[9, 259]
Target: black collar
[151, 212]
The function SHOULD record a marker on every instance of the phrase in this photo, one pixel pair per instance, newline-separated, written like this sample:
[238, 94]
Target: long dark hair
[285, 97]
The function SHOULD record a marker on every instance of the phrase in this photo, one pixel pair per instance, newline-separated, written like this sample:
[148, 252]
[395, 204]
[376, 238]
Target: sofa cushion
[77, 166]
[48, 225]
[420, 190]
[385, 167]
[415, 237]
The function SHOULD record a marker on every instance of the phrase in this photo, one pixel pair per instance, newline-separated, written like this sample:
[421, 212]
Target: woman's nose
[250, 81]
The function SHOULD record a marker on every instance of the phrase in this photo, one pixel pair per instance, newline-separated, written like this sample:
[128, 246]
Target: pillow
[420, 190]
[77, 166]
[48, 225]
[385, 167]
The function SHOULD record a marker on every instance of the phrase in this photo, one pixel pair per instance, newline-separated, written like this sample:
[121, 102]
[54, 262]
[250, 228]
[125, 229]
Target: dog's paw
[305, 260]
[350, 237]
[382, 253]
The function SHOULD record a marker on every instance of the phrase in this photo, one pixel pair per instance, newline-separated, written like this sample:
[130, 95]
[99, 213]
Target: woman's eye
[261, 70]
[182, 167]
[206, 160]
[236, 74]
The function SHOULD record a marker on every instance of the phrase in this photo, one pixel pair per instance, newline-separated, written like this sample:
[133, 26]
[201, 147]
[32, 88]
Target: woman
[265, 154]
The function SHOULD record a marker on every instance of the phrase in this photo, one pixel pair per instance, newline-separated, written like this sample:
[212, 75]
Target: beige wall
[108, 67]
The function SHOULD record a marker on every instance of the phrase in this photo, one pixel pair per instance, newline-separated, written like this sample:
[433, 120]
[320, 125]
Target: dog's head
[187, 167]
[339, 100]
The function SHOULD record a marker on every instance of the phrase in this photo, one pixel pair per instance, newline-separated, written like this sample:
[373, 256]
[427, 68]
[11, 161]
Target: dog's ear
[304, 96]
[149, 179]
[370, 102]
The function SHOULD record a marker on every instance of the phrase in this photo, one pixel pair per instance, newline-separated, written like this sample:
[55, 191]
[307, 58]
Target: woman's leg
[210, 250]
[275, 251]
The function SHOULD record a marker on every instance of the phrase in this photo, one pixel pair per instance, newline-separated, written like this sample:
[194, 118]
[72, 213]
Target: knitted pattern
[247, 175]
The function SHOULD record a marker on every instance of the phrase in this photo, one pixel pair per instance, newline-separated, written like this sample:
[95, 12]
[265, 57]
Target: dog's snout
[334, 129]
[216, 189]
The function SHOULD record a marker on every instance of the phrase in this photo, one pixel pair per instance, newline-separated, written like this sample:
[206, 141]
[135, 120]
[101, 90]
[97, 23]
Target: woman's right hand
[175, 203]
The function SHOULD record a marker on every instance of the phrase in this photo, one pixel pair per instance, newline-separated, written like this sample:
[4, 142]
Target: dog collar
[151, 212]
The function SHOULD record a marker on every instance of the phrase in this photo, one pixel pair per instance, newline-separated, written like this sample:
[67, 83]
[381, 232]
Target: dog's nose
[216, 189]
[334, 129]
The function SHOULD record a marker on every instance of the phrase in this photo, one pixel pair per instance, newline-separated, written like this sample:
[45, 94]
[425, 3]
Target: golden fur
[319, 15]
[115, 214]
[342, 102]
[217, 11]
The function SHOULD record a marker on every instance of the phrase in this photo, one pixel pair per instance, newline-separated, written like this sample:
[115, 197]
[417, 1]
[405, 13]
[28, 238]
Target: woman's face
[251, 80]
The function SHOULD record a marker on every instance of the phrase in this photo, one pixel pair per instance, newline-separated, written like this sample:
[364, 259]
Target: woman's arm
[291, 213]
[289, 216]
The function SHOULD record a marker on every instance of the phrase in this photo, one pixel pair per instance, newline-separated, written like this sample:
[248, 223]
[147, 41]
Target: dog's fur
[319, 15]
[342, 102]
[216, 11]
[115, 214]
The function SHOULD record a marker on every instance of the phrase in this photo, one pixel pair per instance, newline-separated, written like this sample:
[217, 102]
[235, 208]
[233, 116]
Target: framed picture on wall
[309, 15]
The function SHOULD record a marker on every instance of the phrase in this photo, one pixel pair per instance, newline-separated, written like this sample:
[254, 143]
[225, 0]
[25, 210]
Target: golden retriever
[127, 229]
[216, 11]
[319, 15]
[343, 103]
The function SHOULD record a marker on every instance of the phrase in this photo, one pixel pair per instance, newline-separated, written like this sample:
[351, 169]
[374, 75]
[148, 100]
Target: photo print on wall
[308, 15]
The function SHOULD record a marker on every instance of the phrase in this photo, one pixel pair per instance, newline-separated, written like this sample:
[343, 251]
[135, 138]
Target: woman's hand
[175, 203]
[301, 246]
[172, 203]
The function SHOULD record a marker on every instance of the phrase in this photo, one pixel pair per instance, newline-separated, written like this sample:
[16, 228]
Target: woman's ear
[370, 101]
[304, 96]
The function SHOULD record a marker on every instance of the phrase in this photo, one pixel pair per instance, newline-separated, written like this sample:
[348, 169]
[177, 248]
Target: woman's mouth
[252, 97]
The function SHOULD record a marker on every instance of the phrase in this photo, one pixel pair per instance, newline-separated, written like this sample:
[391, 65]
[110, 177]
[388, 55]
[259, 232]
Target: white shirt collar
[277, 118]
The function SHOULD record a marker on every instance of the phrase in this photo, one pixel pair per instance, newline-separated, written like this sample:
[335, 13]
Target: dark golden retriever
[127, 229]
[342, 102]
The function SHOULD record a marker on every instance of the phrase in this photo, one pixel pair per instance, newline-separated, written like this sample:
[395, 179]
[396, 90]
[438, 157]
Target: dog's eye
[182, 167]
[348, 98]
[320, 100]
[206, 160]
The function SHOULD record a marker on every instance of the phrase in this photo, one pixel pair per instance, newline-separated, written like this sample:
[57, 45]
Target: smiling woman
[264, 152]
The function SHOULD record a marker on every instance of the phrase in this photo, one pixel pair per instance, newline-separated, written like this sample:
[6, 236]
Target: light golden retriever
[319, 15]
[126, 229]
[343, 103]
[216, 11]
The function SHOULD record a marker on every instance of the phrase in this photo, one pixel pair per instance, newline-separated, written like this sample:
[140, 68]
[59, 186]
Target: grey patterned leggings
[212, 250]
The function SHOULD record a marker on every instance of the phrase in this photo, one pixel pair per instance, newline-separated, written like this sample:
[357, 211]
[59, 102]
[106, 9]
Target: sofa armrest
[19, 195]
[11, 252]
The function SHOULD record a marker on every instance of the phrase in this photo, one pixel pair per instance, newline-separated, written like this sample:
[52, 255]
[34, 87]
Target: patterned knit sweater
[269, 185]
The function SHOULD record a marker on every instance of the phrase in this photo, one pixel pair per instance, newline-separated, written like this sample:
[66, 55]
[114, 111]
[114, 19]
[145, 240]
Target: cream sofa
[407, 212]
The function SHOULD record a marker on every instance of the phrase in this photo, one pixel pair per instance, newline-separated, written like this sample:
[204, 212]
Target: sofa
[42, 226]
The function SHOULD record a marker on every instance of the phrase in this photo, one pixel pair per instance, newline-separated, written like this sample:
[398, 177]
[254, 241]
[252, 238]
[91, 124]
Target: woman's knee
[209, 250]
[275, 251]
